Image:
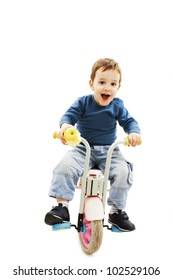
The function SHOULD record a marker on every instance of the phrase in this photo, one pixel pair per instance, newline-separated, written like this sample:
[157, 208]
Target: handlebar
[73, 137]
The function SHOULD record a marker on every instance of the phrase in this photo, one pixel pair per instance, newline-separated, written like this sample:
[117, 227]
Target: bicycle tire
[91, 235]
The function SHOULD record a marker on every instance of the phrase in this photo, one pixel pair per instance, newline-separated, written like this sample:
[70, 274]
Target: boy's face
[105, 86]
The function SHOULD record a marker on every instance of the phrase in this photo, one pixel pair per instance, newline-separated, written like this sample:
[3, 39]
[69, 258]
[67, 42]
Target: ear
[91, 84]
[119, 85]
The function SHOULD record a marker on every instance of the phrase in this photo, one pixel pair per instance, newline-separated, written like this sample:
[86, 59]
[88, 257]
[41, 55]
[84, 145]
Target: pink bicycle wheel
[91, 235]
[86, 233]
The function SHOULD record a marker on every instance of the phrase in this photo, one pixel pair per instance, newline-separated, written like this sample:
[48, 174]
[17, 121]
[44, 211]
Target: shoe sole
[122, 229]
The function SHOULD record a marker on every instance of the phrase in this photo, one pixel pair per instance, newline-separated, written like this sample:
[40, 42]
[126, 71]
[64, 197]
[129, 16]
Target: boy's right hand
[64, 126]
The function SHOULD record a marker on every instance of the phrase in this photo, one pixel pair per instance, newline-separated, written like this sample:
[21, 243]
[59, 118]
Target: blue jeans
[70, 168]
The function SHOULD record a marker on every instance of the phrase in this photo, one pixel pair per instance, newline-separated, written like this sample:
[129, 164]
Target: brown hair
[106, 64]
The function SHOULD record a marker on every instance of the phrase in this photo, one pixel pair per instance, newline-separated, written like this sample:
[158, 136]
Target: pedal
[115, 229]
[65, 225]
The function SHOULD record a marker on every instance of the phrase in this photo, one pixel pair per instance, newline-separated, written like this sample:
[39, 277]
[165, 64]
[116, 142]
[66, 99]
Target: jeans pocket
[130, 174]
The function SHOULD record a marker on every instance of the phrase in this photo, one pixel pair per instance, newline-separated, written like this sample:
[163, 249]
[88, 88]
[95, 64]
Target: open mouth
[105, 96]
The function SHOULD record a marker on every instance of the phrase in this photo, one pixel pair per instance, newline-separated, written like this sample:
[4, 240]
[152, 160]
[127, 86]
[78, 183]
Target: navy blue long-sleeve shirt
[98, 124]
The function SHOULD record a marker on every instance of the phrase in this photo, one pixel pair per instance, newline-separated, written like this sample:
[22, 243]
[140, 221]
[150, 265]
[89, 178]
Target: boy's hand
[134, 139]
[64, 126]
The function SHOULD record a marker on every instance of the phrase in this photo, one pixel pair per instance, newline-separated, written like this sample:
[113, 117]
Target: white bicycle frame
[94, 187]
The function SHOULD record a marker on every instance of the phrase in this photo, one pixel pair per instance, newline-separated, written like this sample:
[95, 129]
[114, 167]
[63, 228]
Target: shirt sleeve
[73, 114]
[125, 120]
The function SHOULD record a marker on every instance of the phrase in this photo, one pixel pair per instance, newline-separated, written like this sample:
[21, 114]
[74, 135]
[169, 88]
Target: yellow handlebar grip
[56, 135]
[71, 136]
[126, 143]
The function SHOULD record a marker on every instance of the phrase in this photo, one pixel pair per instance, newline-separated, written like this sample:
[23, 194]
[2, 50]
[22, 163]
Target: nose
[107, 88]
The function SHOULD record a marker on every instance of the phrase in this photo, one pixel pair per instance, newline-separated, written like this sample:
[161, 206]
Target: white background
[47, 49]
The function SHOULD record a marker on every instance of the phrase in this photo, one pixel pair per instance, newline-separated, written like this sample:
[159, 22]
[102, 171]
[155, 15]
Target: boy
[96, 116]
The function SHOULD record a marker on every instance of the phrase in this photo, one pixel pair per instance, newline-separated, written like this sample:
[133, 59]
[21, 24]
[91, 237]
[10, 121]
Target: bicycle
[93, 187]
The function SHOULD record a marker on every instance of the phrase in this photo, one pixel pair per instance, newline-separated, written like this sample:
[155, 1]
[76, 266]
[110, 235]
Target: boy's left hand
[134, 139]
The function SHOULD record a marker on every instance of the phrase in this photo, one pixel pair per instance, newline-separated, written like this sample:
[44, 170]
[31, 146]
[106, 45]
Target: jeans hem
[55, 195]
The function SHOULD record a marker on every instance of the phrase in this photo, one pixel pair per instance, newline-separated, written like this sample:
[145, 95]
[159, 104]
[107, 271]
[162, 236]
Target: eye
[113, 84]
[101, 82]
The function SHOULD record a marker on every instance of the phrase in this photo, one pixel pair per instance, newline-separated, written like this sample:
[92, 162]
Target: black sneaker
[121, 221]
[58, 214]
